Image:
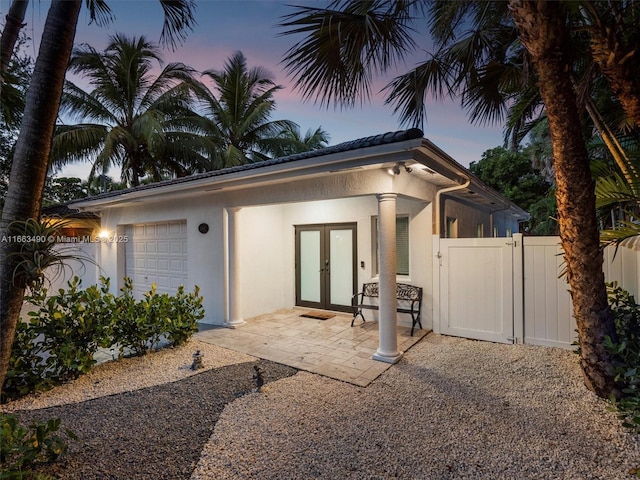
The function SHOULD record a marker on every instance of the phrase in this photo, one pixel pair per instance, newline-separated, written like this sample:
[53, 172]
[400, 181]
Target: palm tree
[238, 109]
[10, 33]
[33, 147]
[139, 121]
[298, 143]
[614, 29]
[346, 44]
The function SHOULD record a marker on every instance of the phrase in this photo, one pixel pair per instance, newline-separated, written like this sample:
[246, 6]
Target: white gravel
[452, 409]
[129, 374]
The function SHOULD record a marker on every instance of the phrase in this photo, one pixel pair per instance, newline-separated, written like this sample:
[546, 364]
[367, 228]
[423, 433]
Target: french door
[326, 266]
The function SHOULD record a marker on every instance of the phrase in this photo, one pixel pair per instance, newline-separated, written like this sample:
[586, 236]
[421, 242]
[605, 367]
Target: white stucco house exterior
[307, 229]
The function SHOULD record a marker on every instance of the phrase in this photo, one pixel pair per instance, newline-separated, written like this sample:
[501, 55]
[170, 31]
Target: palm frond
[179, 16]
[345, 46]
[407, 92]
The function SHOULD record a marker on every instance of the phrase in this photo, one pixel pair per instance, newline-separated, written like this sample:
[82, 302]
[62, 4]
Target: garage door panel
[157, 253]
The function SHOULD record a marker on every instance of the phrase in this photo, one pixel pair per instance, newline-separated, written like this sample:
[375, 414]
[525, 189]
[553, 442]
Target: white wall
[82, 266]
[267, 218]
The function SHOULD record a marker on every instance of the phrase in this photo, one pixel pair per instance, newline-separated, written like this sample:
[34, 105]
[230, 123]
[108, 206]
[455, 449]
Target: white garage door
[157, 253]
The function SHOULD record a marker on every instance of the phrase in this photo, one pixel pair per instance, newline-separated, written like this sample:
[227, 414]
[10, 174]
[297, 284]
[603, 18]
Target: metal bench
[405, 293]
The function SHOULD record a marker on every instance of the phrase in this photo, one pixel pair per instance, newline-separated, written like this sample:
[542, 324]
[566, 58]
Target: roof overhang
[428, 162]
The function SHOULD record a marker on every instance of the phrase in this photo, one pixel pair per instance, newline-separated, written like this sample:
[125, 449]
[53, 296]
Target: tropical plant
[490, 55]
[33, 147]
[239, 109]
[135, 119]
[36, 250]
[298, 143]
[10, 34]
[23, 448]
[627, 352]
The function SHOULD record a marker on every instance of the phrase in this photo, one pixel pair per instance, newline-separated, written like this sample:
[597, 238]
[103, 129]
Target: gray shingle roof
[375, 140]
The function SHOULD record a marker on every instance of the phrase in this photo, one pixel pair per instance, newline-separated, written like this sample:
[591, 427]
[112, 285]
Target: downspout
[438, 206]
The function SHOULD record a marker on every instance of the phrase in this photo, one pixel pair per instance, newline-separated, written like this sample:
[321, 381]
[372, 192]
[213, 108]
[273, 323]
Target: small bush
[73, 325]
[626, 352]
[131, 330]
[182, 318]
[22, 448]
[26, 371]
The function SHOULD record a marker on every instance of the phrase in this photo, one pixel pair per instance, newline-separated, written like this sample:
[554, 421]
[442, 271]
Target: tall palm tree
[33, 147]
[9, 38]
[348, 43]
[139, 121]
[239, 109]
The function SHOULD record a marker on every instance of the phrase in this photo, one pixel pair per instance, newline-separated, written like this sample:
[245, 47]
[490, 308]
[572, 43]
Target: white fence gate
[476, 288]
[512, 289]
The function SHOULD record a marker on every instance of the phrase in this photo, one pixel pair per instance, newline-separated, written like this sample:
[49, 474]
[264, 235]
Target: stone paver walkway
[327, 347]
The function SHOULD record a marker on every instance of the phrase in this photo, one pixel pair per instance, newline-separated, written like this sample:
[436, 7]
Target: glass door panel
[310, 266]
[340, 266]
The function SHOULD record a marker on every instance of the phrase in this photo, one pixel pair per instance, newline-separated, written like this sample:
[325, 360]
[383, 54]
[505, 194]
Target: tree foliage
[512, 174]
[132, 117]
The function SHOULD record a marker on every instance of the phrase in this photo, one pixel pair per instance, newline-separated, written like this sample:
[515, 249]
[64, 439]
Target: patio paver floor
[327, 347]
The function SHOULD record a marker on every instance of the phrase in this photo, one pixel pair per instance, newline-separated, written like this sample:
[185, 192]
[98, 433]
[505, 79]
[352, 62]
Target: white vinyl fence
[473, 299]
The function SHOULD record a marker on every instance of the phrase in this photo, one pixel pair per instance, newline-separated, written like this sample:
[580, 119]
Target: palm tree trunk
[12, 26]
[31, 158]
[542, 29]
[619, 65]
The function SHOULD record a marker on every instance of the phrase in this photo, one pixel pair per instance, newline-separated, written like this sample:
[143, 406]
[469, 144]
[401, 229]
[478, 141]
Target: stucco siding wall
[263, 273]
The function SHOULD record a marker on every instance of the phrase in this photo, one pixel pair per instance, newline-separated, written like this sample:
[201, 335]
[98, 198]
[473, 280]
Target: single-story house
[306, 229]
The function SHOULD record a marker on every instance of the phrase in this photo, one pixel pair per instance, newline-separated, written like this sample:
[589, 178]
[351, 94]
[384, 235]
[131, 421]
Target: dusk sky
[224, 26]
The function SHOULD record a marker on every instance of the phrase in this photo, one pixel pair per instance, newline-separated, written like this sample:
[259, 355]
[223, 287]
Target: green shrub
[26, 371]
[131, 330]
[73, 325]
[182, 319]
[22, 448]
[65, 331]
[626, 352]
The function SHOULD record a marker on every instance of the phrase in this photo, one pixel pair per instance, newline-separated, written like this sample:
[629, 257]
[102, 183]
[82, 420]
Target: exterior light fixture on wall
[103, 234]
[398, 167]
[203, 228]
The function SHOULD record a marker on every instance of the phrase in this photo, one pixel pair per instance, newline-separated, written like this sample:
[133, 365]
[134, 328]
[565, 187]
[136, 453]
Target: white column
[233, 293]
[387, 325]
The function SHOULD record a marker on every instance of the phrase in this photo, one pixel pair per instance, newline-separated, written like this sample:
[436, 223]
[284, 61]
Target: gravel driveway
[451, 409]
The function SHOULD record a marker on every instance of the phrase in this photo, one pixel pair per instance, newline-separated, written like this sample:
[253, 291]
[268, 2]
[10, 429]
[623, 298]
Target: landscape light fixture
[398, 167]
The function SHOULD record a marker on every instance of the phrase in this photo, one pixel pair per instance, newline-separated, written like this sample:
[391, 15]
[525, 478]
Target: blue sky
[225, 26]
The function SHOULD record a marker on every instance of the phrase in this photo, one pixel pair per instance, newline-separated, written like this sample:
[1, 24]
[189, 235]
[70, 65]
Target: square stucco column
[387, 266]
[233, 294]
